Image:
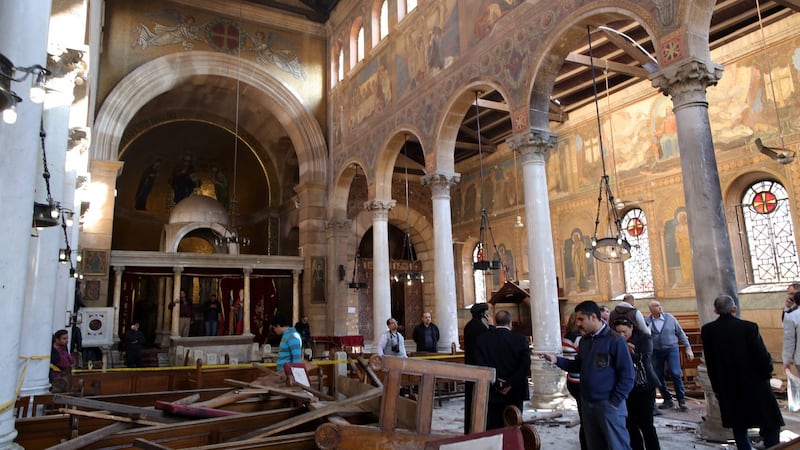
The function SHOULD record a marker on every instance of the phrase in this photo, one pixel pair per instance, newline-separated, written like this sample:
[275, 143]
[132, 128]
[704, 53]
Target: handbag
[640, 374]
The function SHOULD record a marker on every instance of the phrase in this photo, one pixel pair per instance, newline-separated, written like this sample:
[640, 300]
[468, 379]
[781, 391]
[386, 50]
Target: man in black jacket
[739, 368]
[426, 334]
[476, 327]
[510, 355]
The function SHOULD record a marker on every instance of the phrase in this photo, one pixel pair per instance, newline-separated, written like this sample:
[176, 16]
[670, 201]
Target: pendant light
[481, 261]
[613, 248]
[407, 253]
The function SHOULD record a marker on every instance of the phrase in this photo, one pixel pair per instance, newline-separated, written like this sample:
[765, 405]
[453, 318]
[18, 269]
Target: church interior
[352, 161]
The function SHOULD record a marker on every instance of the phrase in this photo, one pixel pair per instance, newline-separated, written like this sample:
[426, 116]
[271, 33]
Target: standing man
[304, 329]
[606, 369]
[627, 310]
[791, 345]
[134, 339]
[739, 368]
[186, 313]
[667, 334]
[391, 341]
[510, 356]
[211, 315]
[605, 313]
[290, 350]
[474, 329]
[426, 334]
[61, 362]
[789, 303]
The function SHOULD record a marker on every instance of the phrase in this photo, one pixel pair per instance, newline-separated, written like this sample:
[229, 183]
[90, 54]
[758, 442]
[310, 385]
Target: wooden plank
[194, 412]
[222, 400]
[149, 445]
[101, 415]
[257, 388]
[91, 438]
[311, 415]
[372, 375]
[141, 413]
[610, 65]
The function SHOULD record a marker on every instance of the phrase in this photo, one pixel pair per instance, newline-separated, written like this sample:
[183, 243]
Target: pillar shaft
[381, 288]
[338, 321]
[443, 261]
[176, 295]
[23, 39]
[295, 296]
[534, 147]
[712, 258]
[246, 300]
[118, 271]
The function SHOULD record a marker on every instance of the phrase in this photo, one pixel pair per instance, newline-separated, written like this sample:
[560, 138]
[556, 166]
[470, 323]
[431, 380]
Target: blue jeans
[604, 425]
[211, 328]
[672, 358]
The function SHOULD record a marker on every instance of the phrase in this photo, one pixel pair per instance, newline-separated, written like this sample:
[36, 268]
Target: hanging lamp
[613, 248]
[356, 282]
[407, 253]
[232, 234]
[482, 262]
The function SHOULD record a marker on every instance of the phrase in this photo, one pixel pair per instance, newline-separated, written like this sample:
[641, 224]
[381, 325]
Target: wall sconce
[9, 98]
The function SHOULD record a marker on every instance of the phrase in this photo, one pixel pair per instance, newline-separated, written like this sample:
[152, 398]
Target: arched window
[411, 5]
[340, 69]
[479, 276]
[383, 20]
[769, 234]
[405, 7]
[360, 44]
[638, 270]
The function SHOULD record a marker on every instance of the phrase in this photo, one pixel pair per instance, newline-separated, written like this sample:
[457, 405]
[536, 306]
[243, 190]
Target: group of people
[614, 364]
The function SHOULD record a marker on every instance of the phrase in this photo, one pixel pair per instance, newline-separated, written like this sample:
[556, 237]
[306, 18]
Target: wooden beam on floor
[91, 438]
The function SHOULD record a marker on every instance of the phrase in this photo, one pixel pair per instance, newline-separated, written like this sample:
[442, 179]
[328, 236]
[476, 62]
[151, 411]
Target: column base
[7, 441]
[548, 385]
[711, 428]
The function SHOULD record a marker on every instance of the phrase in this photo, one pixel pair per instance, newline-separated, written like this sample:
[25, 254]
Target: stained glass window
[770, 242]
[638, 269]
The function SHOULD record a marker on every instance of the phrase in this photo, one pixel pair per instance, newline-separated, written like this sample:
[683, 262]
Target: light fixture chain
[769, 69]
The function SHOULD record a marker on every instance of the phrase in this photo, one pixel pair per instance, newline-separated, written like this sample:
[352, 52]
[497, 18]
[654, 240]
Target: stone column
[118, 271]
[534, 149]
[160, 297]
[176, 294]
[247, 272]
[338, 295]
[23, 39]
[41, 281]
[381, 288]
[446, 308]
[296, 296]
[712, 257]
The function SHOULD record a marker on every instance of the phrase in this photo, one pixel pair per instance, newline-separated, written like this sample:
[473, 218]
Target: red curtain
[263, 304]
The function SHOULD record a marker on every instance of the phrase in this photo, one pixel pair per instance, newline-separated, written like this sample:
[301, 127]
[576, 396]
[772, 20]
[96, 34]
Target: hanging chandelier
[407, 253]
[356, 282]
[232, 235]
[482, 262]
[613, 248]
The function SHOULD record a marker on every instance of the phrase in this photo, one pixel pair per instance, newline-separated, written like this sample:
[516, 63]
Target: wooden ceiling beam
[632, 71]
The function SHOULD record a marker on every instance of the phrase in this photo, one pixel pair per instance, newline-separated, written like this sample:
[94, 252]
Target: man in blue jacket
[606, 369]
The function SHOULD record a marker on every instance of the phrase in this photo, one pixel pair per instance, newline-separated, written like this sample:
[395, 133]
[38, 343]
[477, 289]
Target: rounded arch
[387, 159]
[341, 188]
[442, 156]
[173, 234]
[162, 74]
[563, 40]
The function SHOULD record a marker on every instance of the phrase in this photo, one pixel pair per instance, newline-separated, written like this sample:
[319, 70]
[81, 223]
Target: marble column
[41, 281]
[118, 271]
[23, 39]
[176, 295]
[247, 272]
[162, 299]
[534, 148]
[381, 287]
[446, 308]
[339, 246]
[296, 296]
[712, 257]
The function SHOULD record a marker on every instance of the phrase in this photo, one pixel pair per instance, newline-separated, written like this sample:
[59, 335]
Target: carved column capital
[247, 271]
[338, 226]
[380, 208]
[119, 270]
[534, 144]
[686, 82]
[177, 270]
[440, 182]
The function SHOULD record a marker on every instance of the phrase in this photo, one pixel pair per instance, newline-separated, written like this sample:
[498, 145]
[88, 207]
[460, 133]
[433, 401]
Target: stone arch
[386, 160]
[162, 74]
[441, 158]
[174, 233]
[558, 45]
[341, 188]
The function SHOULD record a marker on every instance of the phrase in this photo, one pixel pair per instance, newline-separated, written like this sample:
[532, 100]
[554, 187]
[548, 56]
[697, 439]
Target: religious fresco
[678, 249]
[374, 90]
[428, 47]
[577, 267]
[483, 16]
[170, 27]
[497, 188]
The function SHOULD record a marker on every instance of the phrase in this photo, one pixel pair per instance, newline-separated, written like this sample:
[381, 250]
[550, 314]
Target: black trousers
[640, 419]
